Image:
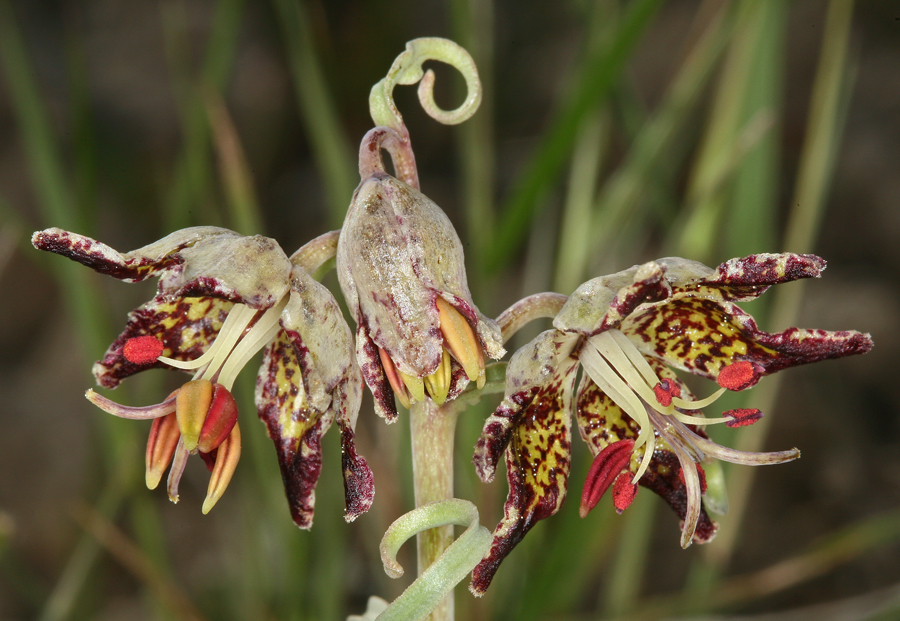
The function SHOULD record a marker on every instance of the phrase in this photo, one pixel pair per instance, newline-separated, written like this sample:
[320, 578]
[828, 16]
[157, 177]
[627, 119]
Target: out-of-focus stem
[432, 430]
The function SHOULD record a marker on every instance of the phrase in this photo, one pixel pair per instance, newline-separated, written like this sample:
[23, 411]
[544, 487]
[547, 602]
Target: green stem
[432, 430]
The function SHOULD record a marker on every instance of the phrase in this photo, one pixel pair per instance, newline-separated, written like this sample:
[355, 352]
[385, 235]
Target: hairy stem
[432, 455]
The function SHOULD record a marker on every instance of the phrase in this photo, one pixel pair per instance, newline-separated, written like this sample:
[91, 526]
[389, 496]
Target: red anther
[606, 467]
[220, 420]
[142, 349]
[624, 492]
[664, 392]
[740, 375]
[742, 417]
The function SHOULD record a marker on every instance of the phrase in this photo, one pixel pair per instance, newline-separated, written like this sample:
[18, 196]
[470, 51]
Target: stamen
[742, 417]
[438, 383]
[612, 349]
[146, 412]
[177, 469]
[220, 420]
[609, 382]
[699, 420]
[414, 385]
[624, 492]
[227, 456]
[262, 332]
[161, 445]
[680, 440]
[460, 339]
[142, 349]
[665, 390]
[393, 376]
[697, 405]
[734, 456]
[191, 407]
[605, 468]
[646, 459]
[740, 375]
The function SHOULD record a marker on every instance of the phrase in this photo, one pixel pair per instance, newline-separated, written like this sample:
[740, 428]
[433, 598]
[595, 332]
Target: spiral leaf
[423, 595]
[407, 69]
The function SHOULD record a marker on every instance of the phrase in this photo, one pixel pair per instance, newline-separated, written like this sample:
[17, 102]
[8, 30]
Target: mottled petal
[315, 322]
[195, 262]
[537, 369]
[185, 326]
[132, 266]
[308, 378]
[537, 464]
[747, 278]
[251, 270]
[296, 428]
[373, 372]
[702, 336]
[602, 303]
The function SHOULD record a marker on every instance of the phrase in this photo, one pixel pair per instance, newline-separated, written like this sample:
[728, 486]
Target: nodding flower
[629, 332]
[400, 265]
[222, 298]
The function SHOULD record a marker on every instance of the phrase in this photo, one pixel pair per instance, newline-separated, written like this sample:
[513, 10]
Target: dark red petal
[359, 483]
[665, 477]
[373, 373]
[606, 467]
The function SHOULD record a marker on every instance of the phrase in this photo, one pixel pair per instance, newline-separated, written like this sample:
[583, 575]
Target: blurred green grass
[568, 171]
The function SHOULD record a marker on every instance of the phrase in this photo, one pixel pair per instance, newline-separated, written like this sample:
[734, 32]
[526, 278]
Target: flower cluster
[223, 297]
[628, 331]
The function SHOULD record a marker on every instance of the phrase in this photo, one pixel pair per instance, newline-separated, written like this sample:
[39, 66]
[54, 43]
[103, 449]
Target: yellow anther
[414, 385]
[227, 456]
[438, 383]
[191, 407]
[460, 339]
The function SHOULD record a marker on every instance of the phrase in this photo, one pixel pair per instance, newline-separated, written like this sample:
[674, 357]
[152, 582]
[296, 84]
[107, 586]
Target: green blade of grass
[190, 194]
[823, 135]
[870, 534]
[599, 74]
[473, 24]
[620, 198]
[335, 157]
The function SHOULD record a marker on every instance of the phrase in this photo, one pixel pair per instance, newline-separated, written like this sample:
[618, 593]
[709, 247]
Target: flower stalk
[432, 429]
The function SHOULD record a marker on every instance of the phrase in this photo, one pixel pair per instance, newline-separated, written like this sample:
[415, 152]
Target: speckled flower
[400, 266]
[223, 297]
[628, 331]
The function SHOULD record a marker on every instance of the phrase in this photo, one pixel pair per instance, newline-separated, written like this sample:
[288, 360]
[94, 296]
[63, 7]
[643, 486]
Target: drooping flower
[400, 266]
[628, 331]
[223, 297]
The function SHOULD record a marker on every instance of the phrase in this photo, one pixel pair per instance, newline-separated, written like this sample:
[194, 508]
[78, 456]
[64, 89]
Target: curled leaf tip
[423, 595]
[407, 69]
